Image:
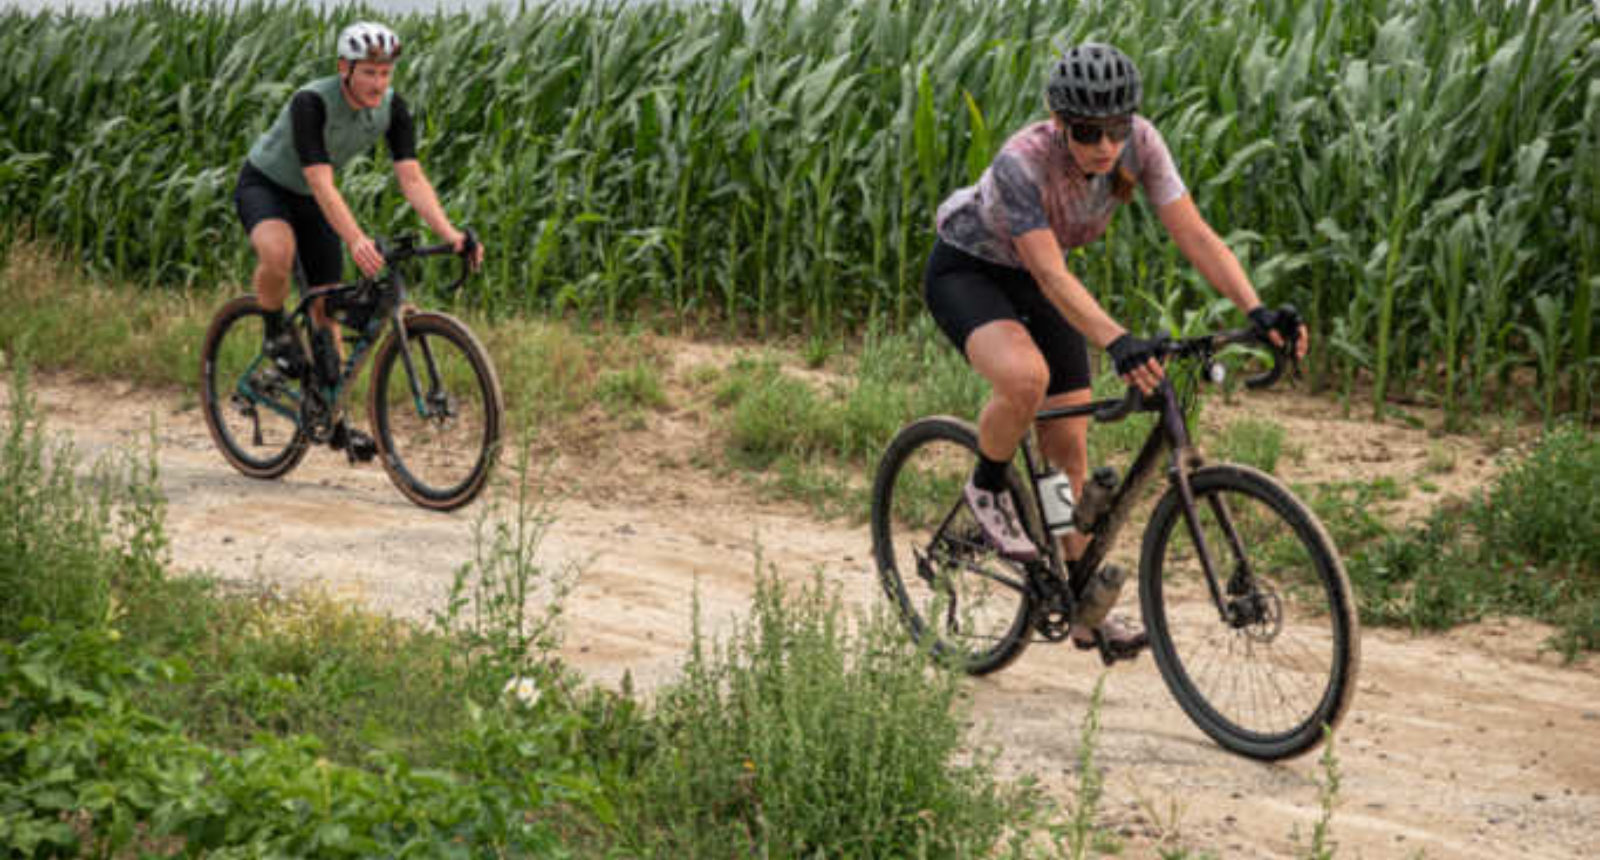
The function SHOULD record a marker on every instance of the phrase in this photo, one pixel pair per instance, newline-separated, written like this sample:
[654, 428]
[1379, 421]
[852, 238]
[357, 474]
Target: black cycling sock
[275, 321]
[990, 474]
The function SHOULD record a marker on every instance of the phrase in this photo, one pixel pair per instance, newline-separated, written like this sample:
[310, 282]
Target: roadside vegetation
[145, 714]
[142, 713]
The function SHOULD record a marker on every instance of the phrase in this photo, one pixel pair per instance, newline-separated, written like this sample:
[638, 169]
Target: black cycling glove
[1129, 352]
[1284, 320]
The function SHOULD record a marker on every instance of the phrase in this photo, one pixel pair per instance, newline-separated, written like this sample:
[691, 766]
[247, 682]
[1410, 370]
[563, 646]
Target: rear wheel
[436, 416]
[1265, 674]
[956, 595]
[251, 409]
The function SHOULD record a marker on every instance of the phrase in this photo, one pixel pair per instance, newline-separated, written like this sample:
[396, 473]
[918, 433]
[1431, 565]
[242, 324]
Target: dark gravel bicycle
[1250, 615]
[433, 398]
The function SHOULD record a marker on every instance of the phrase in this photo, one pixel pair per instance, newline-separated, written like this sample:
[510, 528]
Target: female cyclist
[998, 285]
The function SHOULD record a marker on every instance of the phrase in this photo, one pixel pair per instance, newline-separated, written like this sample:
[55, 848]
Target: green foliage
[1352, 511]
[1322, 844]
[820, 443]
[1081, 832]
[98, 776]
[632, 388]
[68, 539]
[1526, 546]
[1413, 176]
[799, 738]
[106, 750]
[1546, 507]
[504, 609]
[1253, 442]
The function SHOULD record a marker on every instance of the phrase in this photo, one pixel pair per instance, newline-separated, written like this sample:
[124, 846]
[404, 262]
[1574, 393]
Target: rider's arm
[419, 192]
[308, 116]
[1041, 253]
[331, 202]
[402, 141]
[1203, 248]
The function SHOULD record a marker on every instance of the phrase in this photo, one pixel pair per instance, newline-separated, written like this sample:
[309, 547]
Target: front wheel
[1275, 663]
[959, 599]
[435, 406]
[251, 409]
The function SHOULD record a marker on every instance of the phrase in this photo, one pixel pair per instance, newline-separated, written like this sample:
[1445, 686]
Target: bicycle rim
[250, 408]
[1267, 683]
[437, 441]
[957, 597]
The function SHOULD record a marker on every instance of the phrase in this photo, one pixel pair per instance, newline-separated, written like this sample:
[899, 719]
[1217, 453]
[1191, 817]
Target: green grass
[1527, 545]
[1253, 442]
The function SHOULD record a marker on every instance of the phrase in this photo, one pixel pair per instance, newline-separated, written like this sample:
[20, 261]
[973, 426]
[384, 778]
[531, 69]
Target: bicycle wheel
[251, 409]
[1266, 680]
[436, 416]
[958, 598]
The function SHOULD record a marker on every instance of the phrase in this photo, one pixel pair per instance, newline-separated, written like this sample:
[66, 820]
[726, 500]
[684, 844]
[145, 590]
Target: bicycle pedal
[1114, 651]
[357, 446]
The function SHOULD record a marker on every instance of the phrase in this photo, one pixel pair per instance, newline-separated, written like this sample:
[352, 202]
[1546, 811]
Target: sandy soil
[1472, 744]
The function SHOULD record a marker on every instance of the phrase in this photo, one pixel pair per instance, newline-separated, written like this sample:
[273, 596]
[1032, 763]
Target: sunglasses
[1089, 133]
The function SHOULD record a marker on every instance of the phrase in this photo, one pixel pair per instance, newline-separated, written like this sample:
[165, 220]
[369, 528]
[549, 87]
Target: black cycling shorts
[965, 292]
[257, 198]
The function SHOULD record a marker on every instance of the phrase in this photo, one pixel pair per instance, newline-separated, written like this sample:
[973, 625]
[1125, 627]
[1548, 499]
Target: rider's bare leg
[273, 243]
[1004, 353]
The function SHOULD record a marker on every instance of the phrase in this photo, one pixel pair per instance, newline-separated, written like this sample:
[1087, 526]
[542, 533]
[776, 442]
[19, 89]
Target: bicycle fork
[1232, 607]
[431, 404]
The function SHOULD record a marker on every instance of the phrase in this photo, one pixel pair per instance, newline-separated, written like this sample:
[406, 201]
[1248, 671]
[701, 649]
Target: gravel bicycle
[433, 398]
[1249, 612]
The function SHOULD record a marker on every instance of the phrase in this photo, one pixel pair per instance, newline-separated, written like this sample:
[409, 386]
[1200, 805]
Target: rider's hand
[1136, 362]
[459, 241]
[367, 256]
[1277, 323]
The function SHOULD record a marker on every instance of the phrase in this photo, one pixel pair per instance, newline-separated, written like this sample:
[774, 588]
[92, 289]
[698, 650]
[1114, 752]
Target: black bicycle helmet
[1094, 80]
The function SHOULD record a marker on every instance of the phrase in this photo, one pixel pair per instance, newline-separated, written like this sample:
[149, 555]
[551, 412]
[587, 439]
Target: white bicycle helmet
[365, 40]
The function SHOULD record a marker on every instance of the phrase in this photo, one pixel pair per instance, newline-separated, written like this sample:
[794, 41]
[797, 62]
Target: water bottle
[1055, 500]
[1096, 497]
[1099, 595]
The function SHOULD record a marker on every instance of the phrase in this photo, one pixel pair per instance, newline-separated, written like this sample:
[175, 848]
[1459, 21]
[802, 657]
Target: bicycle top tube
[1203, 346]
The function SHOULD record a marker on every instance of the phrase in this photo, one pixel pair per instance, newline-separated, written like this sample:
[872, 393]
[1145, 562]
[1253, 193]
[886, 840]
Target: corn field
[1421, 177]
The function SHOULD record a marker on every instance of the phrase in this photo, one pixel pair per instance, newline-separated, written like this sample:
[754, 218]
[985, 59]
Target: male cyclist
[289, 205]
[998, 285]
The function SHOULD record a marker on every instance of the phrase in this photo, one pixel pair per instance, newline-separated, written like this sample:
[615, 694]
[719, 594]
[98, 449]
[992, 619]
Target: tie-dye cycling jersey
[1034, 183]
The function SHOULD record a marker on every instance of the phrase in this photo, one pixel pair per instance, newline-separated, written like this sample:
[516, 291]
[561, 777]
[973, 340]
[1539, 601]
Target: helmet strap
[349, 91]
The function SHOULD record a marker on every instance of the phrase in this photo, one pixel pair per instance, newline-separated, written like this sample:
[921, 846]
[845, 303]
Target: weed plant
[1253, 442]
[1528, 545]
[144, 715]
[799, 737]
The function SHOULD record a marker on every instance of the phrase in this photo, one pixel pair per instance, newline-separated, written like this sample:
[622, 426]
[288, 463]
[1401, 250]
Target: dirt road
[1469, 745]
